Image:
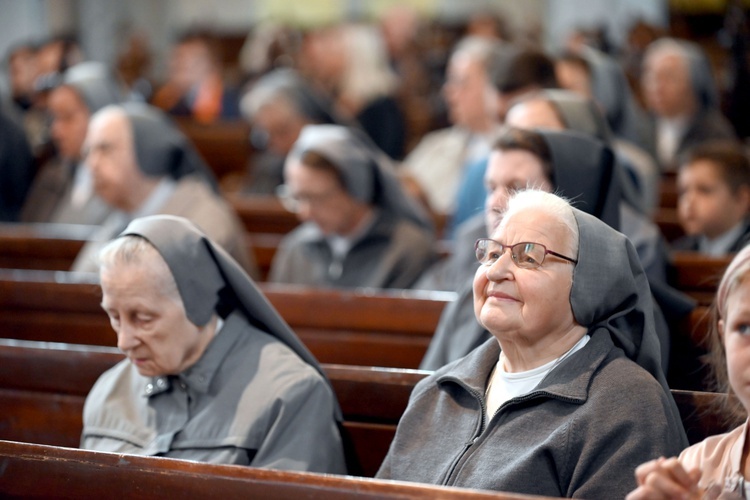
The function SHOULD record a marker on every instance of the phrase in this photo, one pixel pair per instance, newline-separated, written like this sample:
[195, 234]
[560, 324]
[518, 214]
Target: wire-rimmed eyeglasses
[526, 255]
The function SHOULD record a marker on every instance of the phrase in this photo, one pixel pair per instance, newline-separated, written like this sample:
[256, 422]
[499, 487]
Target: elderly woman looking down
[555, 403]
[212, 371]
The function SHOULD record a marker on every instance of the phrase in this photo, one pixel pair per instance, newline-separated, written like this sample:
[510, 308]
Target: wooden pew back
[697, 275]
[354, 327]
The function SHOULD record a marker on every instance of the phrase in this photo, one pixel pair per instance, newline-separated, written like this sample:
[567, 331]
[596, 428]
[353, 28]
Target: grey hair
[136, 250]
[477, 48]
[552, 204]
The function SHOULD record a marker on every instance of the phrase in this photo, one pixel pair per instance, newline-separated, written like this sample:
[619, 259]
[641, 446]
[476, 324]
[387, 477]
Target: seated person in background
[359, 229]
[714, 197]
[679, 90]
[17, 168]
[196, 86]
[143, 165]
[212, 373]
[547, 405]
[62, 190]
[278, 106]
[718, 462]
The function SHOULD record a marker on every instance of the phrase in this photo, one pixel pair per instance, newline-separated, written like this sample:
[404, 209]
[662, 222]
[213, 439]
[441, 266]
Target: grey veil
[205, 275]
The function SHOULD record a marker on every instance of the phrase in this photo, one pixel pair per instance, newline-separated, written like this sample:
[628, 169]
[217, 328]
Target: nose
[502, 268]
[127, 339]
[304, 211]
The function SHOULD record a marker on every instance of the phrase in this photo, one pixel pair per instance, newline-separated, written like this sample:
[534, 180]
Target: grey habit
[583, 171]
[51, 198]
[396, 248]
[589, 423]
[256, 397]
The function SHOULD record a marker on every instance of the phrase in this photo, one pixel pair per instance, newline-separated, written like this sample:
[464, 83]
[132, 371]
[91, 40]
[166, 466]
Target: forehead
[463, 64]
[66, 97]
[302, 175]
[515, 165]
[534, 113]
[535, 225]
[144, 277]
[701, 169]
[112, 126]
[668, 59]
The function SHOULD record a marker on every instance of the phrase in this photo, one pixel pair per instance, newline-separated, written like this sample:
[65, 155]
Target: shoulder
[713, 451]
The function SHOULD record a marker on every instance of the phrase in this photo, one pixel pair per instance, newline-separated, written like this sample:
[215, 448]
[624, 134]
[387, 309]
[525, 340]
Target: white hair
[552, 204]
[136, 250]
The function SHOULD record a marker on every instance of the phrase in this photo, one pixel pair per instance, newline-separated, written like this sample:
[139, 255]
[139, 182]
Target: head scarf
[207, 278]
[611, 90]
[94, 83]
[584, 172]
[701, 76]
[368, 174]
[161, 149]
[611, 292]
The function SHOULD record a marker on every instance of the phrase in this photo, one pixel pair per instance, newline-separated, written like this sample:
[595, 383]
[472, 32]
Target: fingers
[664, 478]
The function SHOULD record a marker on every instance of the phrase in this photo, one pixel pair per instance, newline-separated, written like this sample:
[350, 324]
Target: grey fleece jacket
[581, 433]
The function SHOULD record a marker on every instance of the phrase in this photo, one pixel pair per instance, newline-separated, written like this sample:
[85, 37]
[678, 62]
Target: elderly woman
[62, 190]
[212, 371]
[360, 227]
[555, 403]
[143, 165]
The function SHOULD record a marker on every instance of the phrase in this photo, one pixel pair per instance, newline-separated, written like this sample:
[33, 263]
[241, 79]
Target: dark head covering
[95, 84]
[161, 149]
[207, 278]
[367, 172]
[611, 89]
[584, 172]
[611, 293]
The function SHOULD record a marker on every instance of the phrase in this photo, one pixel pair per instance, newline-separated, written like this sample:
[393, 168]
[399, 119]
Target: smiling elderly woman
[212, 371]
[556, 403]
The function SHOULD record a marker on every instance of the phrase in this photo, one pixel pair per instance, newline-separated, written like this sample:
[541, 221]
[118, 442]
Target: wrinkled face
[112, 162]
[70, 119]
[535, 113]
[321, 199]
[508, 172]
[706, 205]
[735, 329]
[149, 318]
[282, 125]
[522, 306]
[467, 93]
[666, 85]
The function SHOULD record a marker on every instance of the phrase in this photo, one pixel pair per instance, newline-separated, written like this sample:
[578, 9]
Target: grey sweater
[581, 433]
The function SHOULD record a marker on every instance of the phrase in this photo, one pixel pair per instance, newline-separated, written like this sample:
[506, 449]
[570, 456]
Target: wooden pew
[43, 386]
[224, 145]
[697, 275]
[41, 246]
[31, 470]
[354, 327]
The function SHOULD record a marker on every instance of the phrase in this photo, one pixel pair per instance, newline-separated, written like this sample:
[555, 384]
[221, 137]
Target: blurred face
[321, 199]
[536, 113]
[282, 125]
[508, 172]
[23, 72]
[666, 85]
[113, 165]
[150, 322]
[468, 94]
[189, 64]
[573, 77]
[527, 307]
[735, 329]
[706, 204]
[70, 119]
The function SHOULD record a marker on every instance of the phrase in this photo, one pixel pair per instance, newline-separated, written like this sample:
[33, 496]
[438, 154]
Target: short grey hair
[552, 204]
[478, 48]
[136, 250]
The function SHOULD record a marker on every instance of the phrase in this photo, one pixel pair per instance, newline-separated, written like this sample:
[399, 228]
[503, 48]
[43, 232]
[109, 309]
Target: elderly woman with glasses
[360, 228]
[568, 397]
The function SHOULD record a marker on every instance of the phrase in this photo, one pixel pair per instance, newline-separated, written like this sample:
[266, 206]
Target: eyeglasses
[525, 255]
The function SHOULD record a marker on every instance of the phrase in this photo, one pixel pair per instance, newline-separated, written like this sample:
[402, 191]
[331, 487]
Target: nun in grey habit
[256, 396]
[583, 171]
[581, 430]
[62, 190]
[394, 248]
[186, 188]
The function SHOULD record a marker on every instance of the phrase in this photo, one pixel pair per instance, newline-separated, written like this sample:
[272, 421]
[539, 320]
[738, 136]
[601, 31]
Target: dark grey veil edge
[158, 230]
[625, 310]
